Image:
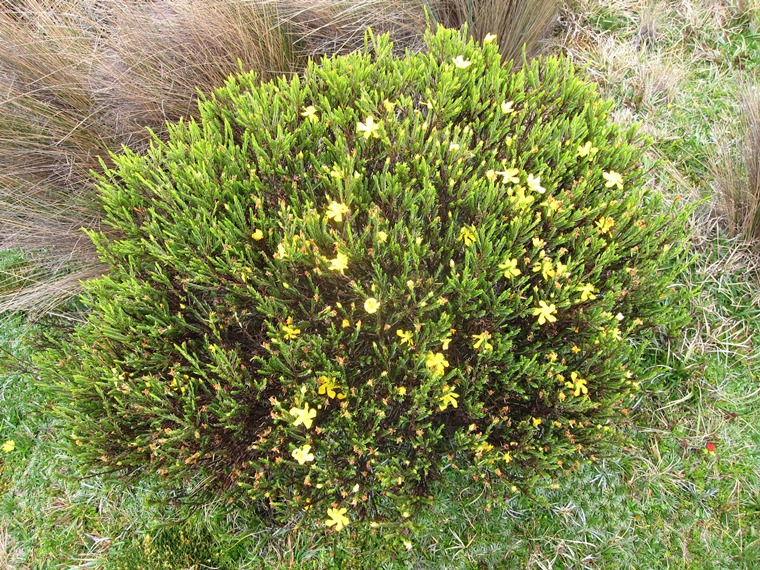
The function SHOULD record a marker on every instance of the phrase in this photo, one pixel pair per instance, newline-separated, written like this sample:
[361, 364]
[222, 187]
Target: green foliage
[170, 547]
[405, 264]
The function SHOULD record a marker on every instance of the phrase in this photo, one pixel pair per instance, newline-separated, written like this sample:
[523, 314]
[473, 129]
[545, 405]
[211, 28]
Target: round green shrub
[332, 288]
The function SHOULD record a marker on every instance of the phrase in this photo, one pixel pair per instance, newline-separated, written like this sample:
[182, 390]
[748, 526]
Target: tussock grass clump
[329, 289]
[81, 79]
[736, 173]
[517, 23]
[51, 138]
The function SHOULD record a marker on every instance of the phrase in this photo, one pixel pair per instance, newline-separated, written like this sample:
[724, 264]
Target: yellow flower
[467, 235]
[257, 235]
[552, 203]
[337, 172]
[510, 268]
[538, 242]
[545, 267]
[482, 340]
[337, 518]
[518, 197]
[382, 237]
[490, 38]
[302, 455]
[534, 183]
[406, 337]
[371, 305]
[310, 113]
[303, 416]
[491, 175]
[461, 63]
[446, 341]
[536, 421]
[545, 312]
[401, 391]
[369, 128]
[613, 179]
[449, 397]
[575, 349]
[336, 210]
[605, 224]
[587, 150]
[577, 384]
[340, 263]
[328, 386]
[507, 107]
[388, 105]
[8, 446]
[587, 292]
[509, 175]
[436, 362]
[345, 323]
[290, 332]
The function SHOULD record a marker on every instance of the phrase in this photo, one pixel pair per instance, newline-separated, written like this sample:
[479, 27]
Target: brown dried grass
[516, 23]
[51, 137]
[736, 173]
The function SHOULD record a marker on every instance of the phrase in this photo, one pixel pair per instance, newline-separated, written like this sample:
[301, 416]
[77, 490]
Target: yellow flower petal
[369, 128]
[302, 454]
[461, 63]
[303, 416]
[335, 211]
[310, 113]
[337, 519]
[340, 263]
[371, 305]
[545, 312]
[508, 107]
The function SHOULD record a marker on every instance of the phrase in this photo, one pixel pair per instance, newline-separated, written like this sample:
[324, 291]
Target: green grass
[664, 502]
[675, 67]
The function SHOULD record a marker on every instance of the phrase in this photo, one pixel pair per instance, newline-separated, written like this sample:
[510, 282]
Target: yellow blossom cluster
[337, 518]
[436, 362]
[482, 340]
[289, 332]
[329, 386]
[545, 312]
[448, 398]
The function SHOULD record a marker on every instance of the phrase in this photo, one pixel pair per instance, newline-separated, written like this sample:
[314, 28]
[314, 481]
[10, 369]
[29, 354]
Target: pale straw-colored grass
[518, 24]
[736, 172]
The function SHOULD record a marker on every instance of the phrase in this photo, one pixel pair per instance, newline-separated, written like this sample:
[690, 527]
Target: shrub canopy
[330, 288]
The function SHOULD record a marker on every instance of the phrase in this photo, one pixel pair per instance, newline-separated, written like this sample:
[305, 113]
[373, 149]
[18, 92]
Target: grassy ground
[685, 491]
